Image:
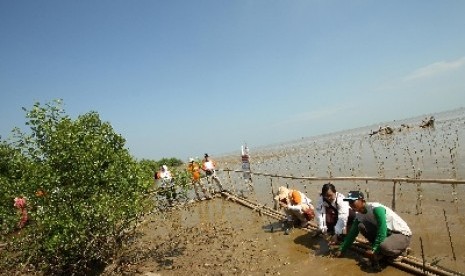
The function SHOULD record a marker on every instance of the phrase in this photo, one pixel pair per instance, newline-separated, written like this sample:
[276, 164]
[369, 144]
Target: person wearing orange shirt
[194, 169]
[297, 206]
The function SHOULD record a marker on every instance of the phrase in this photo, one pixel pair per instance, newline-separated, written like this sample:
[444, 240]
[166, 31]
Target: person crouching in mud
[388, 234]
[297, 206]
[334, 215]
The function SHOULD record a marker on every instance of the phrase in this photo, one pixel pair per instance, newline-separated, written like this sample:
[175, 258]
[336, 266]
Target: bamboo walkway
[356, 178]
[407, 263]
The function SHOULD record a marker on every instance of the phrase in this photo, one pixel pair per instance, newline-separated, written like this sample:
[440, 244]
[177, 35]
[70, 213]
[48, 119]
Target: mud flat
[218, 237]
[434, 211]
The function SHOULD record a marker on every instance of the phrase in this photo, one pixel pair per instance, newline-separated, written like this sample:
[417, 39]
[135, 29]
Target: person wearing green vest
[388, 234]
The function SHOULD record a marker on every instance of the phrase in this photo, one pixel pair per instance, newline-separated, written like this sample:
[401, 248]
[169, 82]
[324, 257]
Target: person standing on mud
[165, 175]
[334, 215]
[209, 167]
[167, 183]
[194, 169]
[297, 206]
[388, 234]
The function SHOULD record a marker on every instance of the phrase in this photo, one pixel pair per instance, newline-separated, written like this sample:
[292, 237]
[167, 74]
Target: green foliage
[170, 162]
[149, 165]
[93, 189]
[12, 164]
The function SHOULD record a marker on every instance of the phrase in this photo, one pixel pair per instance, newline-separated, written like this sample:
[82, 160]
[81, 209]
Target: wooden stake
[394, 196]
[450, 237]
[423, 256]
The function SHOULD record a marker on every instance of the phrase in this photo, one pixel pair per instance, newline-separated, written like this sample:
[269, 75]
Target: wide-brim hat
[283, 193]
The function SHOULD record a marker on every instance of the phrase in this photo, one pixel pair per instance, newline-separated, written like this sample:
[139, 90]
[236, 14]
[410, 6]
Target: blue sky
[180, 78]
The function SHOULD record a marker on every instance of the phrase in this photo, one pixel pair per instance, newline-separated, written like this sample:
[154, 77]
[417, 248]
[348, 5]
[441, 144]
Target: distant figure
[165, 176]
[405, 126]
[334, 214]
[194, 169]
[427, 122]
[209, 167]
[297, 206]
[386, 130]
[21, 205]
[388, 234]
[383, 131]
[167, 183]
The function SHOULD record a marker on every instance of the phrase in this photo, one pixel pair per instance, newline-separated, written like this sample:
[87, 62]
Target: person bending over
[334, 215]
[297, 206]
[388, 234]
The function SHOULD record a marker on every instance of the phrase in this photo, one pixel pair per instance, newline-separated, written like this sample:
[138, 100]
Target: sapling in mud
[450, 237]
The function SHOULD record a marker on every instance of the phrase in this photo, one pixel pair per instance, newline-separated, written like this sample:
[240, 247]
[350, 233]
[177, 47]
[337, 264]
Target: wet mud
[218, 237]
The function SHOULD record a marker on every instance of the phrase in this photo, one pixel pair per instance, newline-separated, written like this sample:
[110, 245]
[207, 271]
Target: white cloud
[435, 69]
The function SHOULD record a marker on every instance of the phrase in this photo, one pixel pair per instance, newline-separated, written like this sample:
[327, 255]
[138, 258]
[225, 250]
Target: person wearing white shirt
[388, 234]
[209, 167]
[167, 183]
[334, 215]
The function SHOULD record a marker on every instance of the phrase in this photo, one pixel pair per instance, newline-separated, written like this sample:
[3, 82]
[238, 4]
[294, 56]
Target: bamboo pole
[410, 260]
[250, 205]
[406, 263]
[362, 178]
